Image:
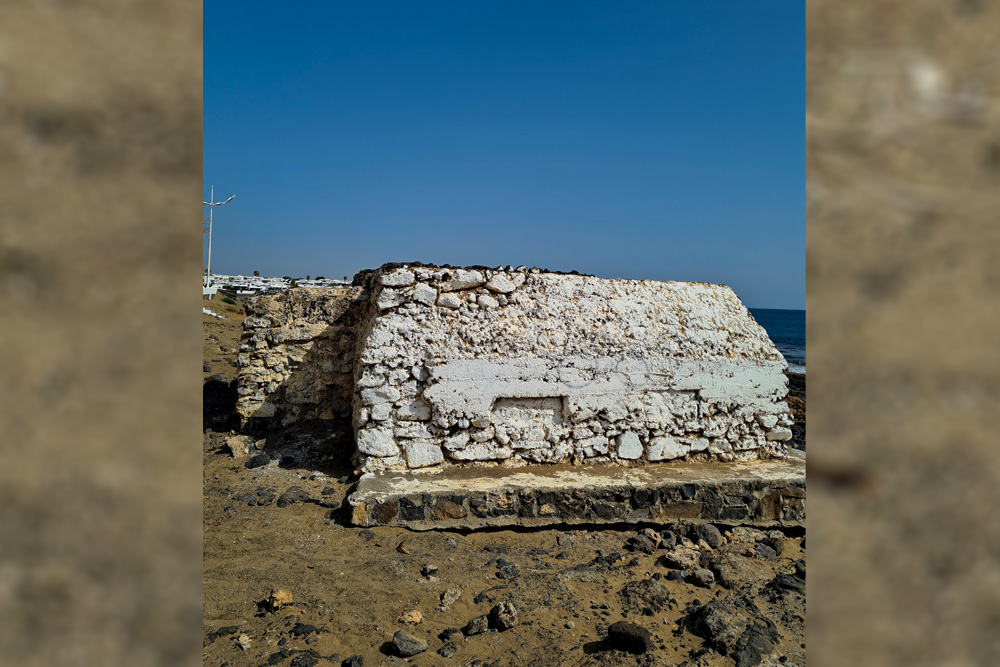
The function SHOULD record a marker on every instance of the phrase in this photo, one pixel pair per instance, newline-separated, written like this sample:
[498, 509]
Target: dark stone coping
[760, 493]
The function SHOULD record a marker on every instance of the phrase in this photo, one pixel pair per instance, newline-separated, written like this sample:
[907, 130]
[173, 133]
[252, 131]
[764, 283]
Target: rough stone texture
[296, 356]
[760, 493]
[482, 367]
[519, 367]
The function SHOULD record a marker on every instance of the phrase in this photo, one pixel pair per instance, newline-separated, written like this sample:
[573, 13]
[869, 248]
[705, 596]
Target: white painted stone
[767, 421]
[377, 395]
[380, 412]
[377, 442]
[399, 278]
[482, 452]
[415, 410]
[781, 434]
[502, 284]
[629, 445]
[457, 441]
[389, 298]
[463, 279]
[413, 430]
[422, 453]
[425, 294]
[597, 444]
[483, 435]
[449, 300]
[665, 448]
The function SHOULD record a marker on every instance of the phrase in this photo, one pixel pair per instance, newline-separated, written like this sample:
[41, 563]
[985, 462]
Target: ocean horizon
[787, 329]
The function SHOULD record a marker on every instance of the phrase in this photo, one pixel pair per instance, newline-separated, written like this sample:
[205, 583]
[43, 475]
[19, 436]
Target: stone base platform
[760, 493]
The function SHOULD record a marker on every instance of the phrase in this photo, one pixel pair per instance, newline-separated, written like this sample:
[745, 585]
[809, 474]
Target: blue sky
[660, 141]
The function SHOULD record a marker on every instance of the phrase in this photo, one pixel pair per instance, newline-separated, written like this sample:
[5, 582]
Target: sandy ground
[354, 585]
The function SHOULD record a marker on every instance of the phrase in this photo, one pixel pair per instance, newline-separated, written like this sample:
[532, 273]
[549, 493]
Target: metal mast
[211, 205]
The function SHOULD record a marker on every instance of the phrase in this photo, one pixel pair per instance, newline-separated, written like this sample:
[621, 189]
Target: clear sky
[648, 140]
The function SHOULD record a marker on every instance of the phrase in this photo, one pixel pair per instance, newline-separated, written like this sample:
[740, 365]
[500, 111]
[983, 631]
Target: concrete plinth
[758, 493]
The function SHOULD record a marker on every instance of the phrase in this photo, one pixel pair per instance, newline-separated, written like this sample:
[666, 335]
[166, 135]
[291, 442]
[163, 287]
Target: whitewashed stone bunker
[510, 367]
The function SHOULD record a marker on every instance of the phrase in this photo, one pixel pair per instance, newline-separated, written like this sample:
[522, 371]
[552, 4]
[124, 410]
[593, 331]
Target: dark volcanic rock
[476, 626]
[354, 661]
[707, 532]
[508, 570]
[260, 496]
[503, 616]
[734, 627]
[257, 461]
[764, 551]
[304, 660]
[447, 650]
[407, 644]
[302, 630]
[641, 544]
[629, 637]
[293, 495]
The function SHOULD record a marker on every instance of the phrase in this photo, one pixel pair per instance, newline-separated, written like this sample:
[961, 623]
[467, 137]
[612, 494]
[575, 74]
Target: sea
[787, 329]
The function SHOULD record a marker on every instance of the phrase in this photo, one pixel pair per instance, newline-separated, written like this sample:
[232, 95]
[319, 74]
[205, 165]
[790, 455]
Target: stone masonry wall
[296, 356]
[480, 366]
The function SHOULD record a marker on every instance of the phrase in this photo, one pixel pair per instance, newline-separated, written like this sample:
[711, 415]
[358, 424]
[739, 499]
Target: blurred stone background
[903, 285]
[100, 254]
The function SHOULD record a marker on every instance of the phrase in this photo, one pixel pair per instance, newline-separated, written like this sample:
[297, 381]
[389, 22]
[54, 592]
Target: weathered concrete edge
[759, 493]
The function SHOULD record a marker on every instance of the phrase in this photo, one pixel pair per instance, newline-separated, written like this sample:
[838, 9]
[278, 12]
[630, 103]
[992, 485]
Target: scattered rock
[734, 627]
[260, 496]
[354, 661]
[447, 650]
[407, 644]
[449, 596]
[707, 532]
[429, 570]
[508, 570]
[641, 544]
[570, 625]
[681, 558]
[243, 641]
[503, 616]
[668, 539]
[205, 368]
[652, 536]
[257, 461]
[446, 634]
[329, 491]
[629, 637]
[411, 617]
[238, 446]
[293, 495]
[476, 626]
[401, 548]
[303, 630]
[304, 660]
[279, 598]
[677, 575]
[775, 540]
[764, 551]
[704, 578]
[564, 540]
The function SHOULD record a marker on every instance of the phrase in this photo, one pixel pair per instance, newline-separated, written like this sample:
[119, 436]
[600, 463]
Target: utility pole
[210, 204]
